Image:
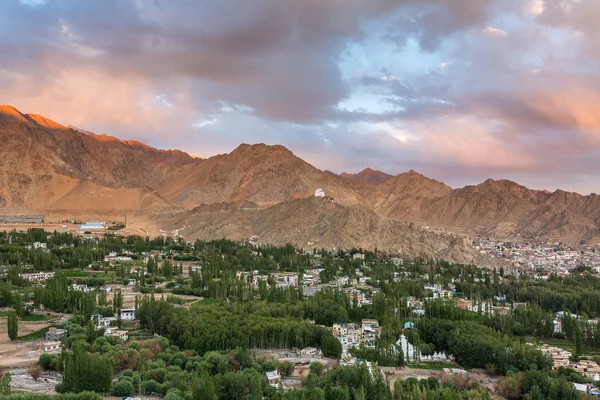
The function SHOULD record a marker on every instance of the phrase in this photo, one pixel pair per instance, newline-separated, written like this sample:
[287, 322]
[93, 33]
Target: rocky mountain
[368, 175]
[314, 222]
[259, 173]
[47, 166]
[495, 208]
[44, 165]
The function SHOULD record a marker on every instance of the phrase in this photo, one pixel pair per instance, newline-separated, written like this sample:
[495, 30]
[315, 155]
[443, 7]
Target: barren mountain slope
[90, 196]
[368, 175]
[43, 163]
[259, 173]
[28, 170]
[566, 216]
[317, 223]
[111, 162]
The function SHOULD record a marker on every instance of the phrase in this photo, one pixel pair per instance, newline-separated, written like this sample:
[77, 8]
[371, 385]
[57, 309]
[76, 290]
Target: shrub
[151, 386]
[35, 371]
[123, 388]
[174, 394]
[46, 360]
[316, 368]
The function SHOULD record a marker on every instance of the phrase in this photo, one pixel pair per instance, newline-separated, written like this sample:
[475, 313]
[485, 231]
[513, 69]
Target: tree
[86, 371]
[92, 334]
[46, 360]
[285, 368]
[5, 384]
[123, 388]
[316, 368]
[35, 372]
[13, 325]
[578, 339]
[204, 388]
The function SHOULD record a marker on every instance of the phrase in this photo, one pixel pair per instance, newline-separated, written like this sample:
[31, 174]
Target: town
[342, 308]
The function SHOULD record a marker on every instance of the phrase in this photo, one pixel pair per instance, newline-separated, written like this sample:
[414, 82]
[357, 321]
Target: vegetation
[207, 349]
[13, 325]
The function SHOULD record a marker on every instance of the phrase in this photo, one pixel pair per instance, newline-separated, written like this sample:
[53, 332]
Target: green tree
[5, 381]
[13, 325]
[123, 388]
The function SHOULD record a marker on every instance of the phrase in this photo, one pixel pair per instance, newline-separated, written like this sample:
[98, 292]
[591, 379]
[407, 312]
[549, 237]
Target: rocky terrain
[264, 191]
[315, 222]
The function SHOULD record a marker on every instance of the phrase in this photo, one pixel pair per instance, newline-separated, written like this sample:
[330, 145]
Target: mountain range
[267, 191]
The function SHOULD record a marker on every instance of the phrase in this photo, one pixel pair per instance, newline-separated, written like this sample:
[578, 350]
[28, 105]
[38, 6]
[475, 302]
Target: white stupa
[319, 193]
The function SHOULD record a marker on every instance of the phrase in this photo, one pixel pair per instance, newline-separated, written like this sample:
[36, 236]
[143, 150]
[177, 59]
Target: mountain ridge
[45, 165]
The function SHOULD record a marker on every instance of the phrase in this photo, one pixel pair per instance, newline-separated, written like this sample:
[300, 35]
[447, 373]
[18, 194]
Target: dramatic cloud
[460, 90]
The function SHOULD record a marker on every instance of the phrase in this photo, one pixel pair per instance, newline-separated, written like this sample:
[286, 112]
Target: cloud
[458, 89]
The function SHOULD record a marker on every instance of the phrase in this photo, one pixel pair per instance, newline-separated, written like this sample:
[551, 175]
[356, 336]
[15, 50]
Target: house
[51, 346]
[310, 351]
[91, 225]
[273, 377]
[123, 335]
[127, 314]
[55, 334]
[587, 368]
[37, 277]
[463, 303]
[83, 287]
[105, 322]
[132, 282]
[285, 279]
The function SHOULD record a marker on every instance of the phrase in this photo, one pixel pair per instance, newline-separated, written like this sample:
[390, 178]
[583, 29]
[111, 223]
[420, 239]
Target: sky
[459, 90]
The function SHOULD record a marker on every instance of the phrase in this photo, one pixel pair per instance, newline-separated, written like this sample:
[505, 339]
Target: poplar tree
[13, 325]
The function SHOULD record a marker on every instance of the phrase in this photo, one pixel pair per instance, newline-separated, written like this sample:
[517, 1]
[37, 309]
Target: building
[51, 346]
[370, 330]
[463, 303]
[285, 279]
[37, 277]
[105, 322]
[91, 225]
[310, 351]
[123, 335]
[560, 357]
[128, 314]
[273, 377]
[319, 193]
[55, 334]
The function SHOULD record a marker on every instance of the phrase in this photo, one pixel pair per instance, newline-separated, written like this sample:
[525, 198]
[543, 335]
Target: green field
[433, 366]
[75, 273]
[37, 335]
[36, 317]
[567, 345]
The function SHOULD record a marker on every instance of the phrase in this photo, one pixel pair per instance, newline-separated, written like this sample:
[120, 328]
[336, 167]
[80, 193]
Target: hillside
[368, 175]
[44, 165]
[493, 207]
[314, 222]
[259, 173]
[48, 166]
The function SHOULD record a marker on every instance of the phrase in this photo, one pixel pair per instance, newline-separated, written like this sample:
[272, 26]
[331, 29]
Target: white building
[37, 277]
[51, 346]
[128, 314]
[319, 193]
